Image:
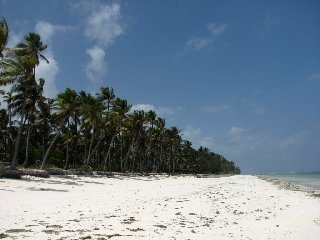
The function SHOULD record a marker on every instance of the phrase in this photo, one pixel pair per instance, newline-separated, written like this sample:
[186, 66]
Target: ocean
[308, 181]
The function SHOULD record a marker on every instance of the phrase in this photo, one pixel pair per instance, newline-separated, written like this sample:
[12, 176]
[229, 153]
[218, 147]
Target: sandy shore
[237, 207]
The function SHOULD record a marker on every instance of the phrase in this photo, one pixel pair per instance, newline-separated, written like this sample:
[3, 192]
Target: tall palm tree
[16, 70]
[34, 97]
[19, 68]
[33, 48]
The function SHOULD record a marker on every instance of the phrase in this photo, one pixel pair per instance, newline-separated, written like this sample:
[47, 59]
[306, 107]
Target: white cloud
[315, 77]
[143, 107]
[47, 30]
[216, 108]
[271, 20]
[258, 150]
[237, 131]
[181, 109]
[104, 24]
[14, 39]
[49, 71]
[206, 41]
[161, 111]
[196, 137]
[295, 139]
[198, 43]
[96, 69]
[258, 109]
[216, 29]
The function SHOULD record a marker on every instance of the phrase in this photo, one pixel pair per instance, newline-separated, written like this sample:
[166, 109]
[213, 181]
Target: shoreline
[290, 185]
[155, 207]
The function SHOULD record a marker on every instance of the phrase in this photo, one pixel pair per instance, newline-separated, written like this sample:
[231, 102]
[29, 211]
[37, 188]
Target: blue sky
[239, 77]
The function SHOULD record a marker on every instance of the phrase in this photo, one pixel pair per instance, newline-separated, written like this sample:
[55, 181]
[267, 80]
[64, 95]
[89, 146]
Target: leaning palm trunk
[94, 150]
[44, 161]
[45, 158]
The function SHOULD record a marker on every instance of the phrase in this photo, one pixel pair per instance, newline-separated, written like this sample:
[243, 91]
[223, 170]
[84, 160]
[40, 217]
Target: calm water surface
[307, 180]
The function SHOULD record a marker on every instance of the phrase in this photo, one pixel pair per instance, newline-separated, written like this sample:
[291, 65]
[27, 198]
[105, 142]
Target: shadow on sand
[46, 189]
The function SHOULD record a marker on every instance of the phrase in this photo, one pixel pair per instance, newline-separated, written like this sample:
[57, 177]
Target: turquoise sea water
[310, 181]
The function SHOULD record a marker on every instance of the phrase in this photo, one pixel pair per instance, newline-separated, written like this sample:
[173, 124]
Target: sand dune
[157, 207]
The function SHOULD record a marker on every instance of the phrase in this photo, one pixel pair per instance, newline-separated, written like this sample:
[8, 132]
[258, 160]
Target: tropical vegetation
[83, 130]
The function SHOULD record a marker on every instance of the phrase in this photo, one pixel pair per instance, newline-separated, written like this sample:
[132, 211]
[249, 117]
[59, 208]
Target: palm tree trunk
[18, 139]
[44, 160]
[10, 135]
[95, 148]
[89, 151]
[121, 163]
[5, 144]
[90, 147]
[108, 153]
[67, 157]
[26, 160]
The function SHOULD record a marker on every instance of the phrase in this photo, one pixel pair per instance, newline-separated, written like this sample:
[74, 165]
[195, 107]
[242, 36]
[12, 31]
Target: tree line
[83, 130]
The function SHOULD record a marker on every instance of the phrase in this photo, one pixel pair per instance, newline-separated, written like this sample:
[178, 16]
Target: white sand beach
[157, 207]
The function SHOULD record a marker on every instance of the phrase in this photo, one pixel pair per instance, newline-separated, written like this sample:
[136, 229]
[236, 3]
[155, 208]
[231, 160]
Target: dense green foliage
[81, 130]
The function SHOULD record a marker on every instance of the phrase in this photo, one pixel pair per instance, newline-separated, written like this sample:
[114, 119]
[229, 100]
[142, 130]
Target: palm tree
[19, 68]
[92, 111]
[159, 138]
[134, 132]
[66, 103]
[151, 132]
[16, 70]
[88, 125]
[43, 122]
[34, 97]
[4, 34]
[122, 107]
[33, 48]
[174, 143]
[106, 95]
[113, 123]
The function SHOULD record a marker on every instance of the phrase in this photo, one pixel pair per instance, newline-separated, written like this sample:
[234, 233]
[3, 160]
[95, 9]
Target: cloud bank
[261, 151]
[103, 25]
